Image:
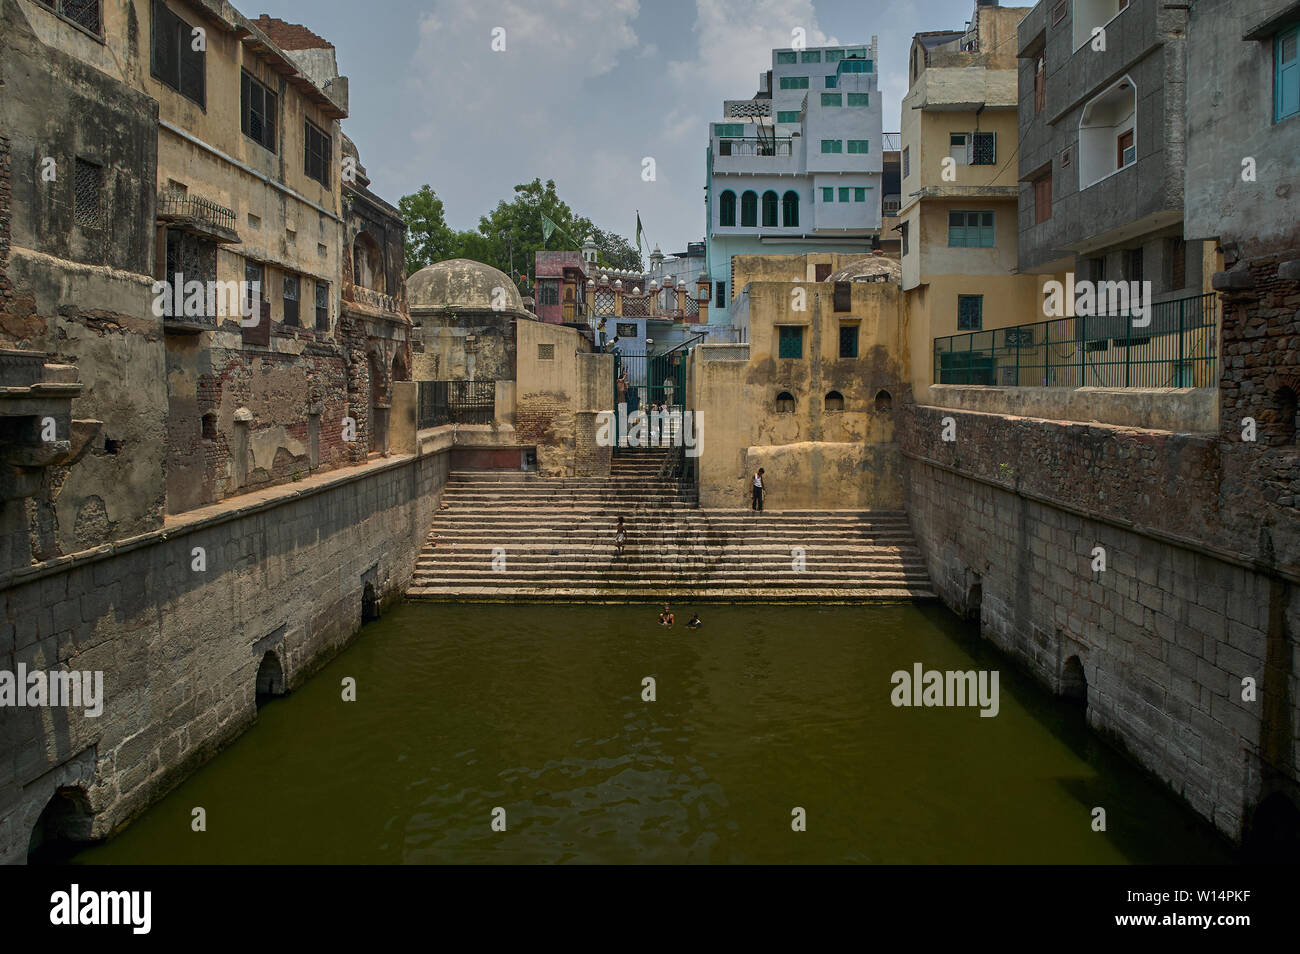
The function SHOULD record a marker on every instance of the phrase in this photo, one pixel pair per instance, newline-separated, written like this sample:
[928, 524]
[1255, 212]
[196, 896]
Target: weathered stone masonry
[287, 572]
[1008, 515]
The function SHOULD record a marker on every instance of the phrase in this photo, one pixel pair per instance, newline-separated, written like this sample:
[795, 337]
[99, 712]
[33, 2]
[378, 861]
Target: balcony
[390, 305]
[773, 155]
[1176, 348]
[199, 216]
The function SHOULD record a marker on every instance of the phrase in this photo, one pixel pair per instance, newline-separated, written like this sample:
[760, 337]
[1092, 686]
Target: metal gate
[647, 382]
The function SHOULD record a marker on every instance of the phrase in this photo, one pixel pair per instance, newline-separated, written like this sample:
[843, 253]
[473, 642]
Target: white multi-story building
[798, 167]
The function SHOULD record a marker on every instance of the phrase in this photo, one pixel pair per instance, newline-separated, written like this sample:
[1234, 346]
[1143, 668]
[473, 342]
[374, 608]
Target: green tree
[428, 237]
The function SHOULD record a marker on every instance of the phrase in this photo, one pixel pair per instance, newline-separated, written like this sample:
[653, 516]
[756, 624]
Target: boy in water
[695, 622]
[666, 617]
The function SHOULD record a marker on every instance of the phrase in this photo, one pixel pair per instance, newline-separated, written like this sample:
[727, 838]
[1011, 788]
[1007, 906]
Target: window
[785, 403]
[729, 129]
[790, 209]
[843, 297]
[848, 341]
[770, 204]
[1177, 264]
[985, 149]
[787, 116]
[832, 145]
[907, 161]
[322, 305]
[904, 230]
[970, 230]
[1286, 74]
[1124, 151]
[257, 306]
[970, 312]
[254, 290]
[1042, 199]
[749, 210]
[957, 148]
[1040, 83]
[316, 154]
[794, 82]
[546, 352]
[626, 329]
[832, 99]
[844, 194]
[290, 299]
[791, 341]
[859, 52]
[88, 185]
[193, 258]
[828, 194]
[1097, 269]
[727, 208]
[859, 195]
[721, 300]
[257, 111]
[174, 59]
[834, 56]
[855, 65]
[786, 57]
[548, 292]
[834, 400]
[811, 56]
[1133, 264]
[884, 401]
[1059, 10]
[84, 13]
[821, 272]
[858, 99]
[859, 147]
[830, 81]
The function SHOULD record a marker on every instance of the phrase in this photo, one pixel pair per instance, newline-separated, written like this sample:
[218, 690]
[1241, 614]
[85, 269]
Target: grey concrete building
[1103, 142]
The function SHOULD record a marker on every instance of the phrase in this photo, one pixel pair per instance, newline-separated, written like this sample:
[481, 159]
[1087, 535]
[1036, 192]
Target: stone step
[717, 594]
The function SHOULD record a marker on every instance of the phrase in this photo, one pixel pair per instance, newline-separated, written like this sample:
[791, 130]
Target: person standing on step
[620, 537]
[757, 503]
[621, 386]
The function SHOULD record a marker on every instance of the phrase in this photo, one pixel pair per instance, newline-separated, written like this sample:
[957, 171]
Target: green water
[538, 710]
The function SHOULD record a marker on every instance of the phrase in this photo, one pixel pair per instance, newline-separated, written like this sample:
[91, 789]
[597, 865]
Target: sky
[582, 93]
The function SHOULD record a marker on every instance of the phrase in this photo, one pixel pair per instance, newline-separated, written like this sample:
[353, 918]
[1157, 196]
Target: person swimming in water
[695, 622]
[666, 617]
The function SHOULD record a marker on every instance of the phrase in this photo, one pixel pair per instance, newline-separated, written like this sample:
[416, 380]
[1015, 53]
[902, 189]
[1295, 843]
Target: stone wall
[286, 574]
[1008, 515]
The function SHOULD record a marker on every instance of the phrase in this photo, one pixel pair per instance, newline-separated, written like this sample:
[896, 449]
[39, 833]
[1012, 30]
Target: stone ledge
[1176, 410]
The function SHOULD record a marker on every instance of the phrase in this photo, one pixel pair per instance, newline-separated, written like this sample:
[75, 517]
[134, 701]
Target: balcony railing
[755, 147]
[360, 295]
[1175, 348]
[891, 142]
[456, 402]
[197, 211]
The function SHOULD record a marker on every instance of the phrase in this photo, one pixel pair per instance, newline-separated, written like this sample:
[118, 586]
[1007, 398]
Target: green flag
[638, 231]
[547, 227]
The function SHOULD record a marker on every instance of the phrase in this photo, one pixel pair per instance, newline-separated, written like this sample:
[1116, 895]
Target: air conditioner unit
[1130, 155]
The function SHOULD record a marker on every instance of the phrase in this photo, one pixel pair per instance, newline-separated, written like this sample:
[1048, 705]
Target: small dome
[460, 283]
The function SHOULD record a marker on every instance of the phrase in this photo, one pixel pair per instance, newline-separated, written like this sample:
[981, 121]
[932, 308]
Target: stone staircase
[553, 539]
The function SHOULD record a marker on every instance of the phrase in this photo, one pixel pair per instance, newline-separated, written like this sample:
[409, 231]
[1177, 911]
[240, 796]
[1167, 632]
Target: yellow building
[960, 184]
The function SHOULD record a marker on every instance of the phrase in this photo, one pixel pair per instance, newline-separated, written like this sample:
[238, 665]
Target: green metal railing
[1177, 347]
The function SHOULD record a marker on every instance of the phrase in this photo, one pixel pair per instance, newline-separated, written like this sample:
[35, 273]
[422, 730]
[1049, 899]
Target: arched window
[769, 209]
[367, 263]
[749, 209]
[727, 208]
[785, 403]
[884, 402]
[834, 401]
[790, 209]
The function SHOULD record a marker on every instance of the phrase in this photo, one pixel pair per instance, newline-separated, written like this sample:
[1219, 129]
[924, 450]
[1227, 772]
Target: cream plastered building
[958, 216]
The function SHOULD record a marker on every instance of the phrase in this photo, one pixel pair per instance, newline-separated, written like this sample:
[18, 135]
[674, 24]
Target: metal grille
[984, 149]
[738, 352]
[1176, 348]
[692, 307]
[84, 13]
[456, 402]
[602, 304]
[87, 183]
[636, 307]
[202, 211]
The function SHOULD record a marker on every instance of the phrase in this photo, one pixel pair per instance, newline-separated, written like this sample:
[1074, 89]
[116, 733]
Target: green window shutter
[859, 99]
[811, 56]
[844, 195]
[1286, 74]
[834, 56]
[787, 116]
[832, 99]
[783, 58]
[828, 195]
[858, 146]
[859, 195]
[791, 341]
